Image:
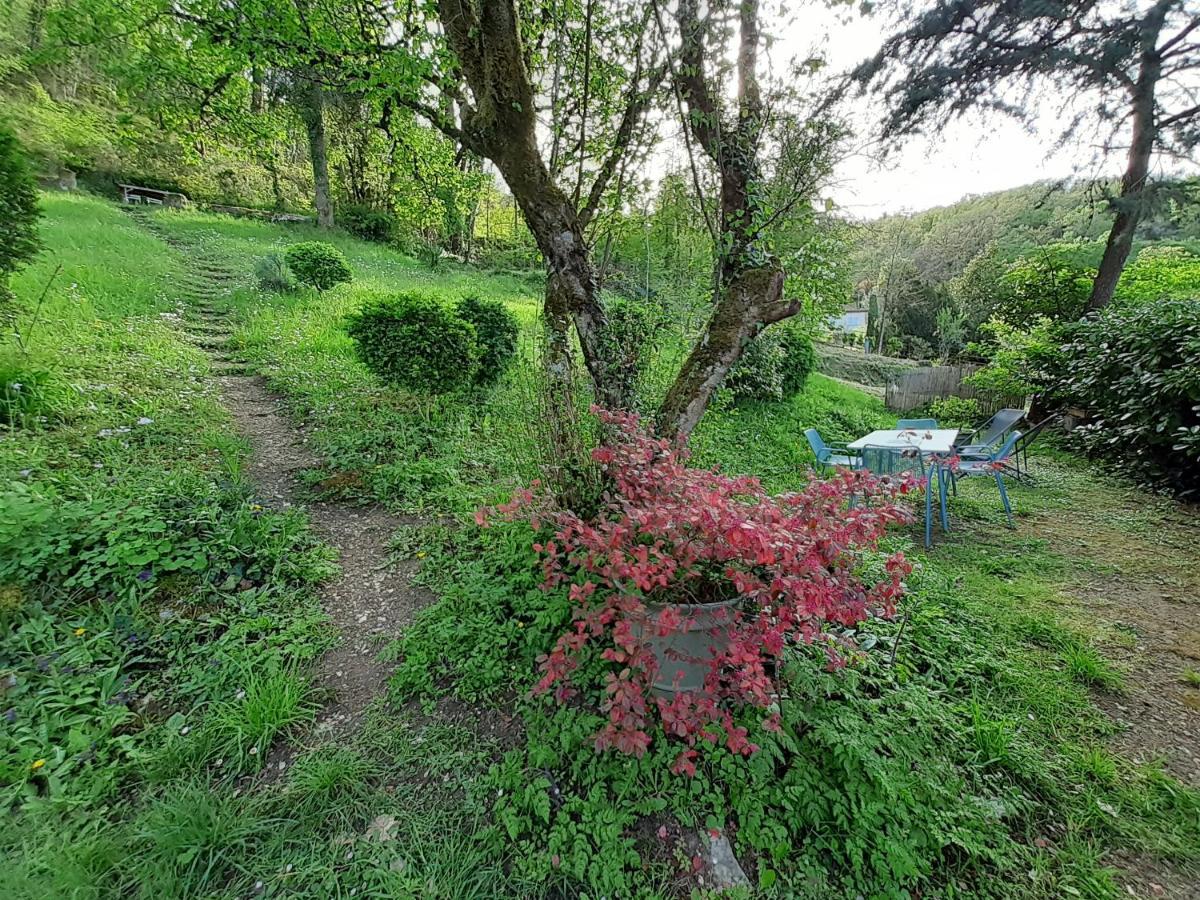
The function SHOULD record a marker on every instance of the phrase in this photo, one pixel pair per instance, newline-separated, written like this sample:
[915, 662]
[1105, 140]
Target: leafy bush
[1160, 273]
[799, 358]
[758, 375]
[1137, 373]
[630, 338]
[318, 264]
[775, 365]
[18, 213]
[1046, 287]
[415, 341]
[1020, 361]
[955, 412]
[273, 274]
[787, 571]
[25, 392]
[496, 331]
[368, 222]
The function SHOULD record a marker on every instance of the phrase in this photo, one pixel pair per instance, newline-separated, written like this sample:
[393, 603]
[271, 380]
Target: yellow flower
[80, 632]
[422, 555]
[37, 764]
[520, 624]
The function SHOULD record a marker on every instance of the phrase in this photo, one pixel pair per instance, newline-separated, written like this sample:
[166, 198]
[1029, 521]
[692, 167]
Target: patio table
[927, 440]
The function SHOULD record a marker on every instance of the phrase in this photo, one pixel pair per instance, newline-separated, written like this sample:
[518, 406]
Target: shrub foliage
[368, 222]
[1137, 373]
[18, 212]
[415, 341]
[775, 365]
[680, 536]
[496, 331]
[318, 264]
[631, 336]
[273, 274]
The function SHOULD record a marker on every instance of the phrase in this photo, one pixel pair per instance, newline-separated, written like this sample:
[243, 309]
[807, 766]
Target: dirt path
[373, 597]
[1139, 594]
[1142, 598]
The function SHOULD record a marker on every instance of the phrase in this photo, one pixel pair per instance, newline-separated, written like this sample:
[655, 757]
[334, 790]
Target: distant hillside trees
[1128, 67]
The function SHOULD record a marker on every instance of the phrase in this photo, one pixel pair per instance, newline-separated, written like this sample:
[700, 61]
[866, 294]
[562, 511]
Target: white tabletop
[928, 440]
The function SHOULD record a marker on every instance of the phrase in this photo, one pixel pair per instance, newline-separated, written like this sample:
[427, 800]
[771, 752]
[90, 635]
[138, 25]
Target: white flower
[145, 421]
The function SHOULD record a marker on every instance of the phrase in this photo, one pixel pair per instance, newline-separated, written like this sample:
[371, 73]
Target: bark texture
[1134, 182]
[312, 111]
[748, 293]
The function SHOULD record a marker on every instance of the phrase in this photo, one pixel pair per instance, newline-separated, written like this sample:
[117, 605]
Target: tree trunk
[1132, 201]
[571, 282]
[258, 92]
[313, 113]
[750, 300]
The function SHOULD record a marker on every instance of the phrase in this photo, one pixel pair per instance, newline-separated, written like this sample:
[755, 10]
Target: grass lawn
[159, 627]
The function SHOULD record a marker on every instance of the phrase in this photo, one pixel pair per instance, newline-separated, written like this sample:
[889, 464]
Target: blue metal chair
[983, 464]
[915, 424]
[894, 461]
[829, 455]
[986, 436]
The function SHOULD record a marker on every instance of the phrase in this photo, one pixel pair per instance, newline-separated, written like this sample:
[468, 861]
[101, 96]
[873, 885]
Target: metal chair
[1020, 456]
[915, 424]
[970, 465]
[991, 432]
[880, 460]
[829, 455]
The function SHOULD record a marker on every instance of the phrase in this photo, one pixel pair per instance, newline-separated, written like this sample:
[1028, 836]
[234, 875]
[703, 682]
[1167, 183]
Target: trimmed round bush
[496, 331]
[799, 359]
[631, 336]
[758, 375]
[318, 264]
[416, 342]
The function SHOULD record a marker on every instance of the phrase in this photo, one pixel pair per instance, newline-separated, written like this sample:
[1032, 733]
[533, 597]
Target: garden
[452, 452]
[965, 721]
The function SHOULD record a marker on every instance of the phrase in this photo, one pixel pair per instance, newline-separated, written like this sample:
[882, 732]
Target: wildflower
[16, 386]
[80, 632]
[145, 421]
[422, 555]
[144, 575]
[37, 764]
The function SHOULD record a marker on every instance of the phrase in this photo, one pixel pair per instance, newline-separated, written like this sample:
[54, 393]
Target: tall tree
[738, 136]
[308, 96]
[1130, 64]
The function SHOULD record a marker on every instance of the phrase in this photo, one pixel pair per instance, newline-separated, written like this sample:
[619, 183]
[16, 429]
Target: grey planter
[689, 650]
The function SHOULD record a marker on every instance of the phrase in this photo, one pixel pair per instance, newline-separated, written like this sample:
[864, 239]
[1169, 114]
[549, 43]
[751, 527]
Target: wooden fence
[915, 389]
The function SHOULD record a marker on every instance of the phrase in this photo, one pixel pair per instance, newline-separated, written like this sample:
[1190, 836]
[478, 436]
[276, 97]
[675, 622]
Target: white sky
[975, 155]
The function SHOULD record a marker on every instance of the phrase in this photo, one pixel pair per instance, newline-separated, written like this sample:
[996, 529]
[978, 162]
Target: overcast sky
[972, 156]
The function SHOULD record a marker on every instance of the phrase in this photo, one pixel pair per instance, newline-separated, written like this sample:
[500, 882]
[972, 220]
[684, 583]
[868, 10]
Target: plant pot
[689, 649]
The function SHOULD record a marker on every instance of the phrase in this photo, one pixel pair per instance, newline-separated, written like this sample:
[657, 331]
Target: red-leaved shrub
[670, 533]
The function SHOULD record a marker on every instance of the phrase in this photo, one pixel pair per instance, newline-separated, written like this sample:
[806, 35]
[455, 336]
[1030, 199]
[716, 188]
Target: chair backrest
[1006, 448]
[995, 428]
[1031, 435]
[902, 424]
[890, 460]
[819, 447]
